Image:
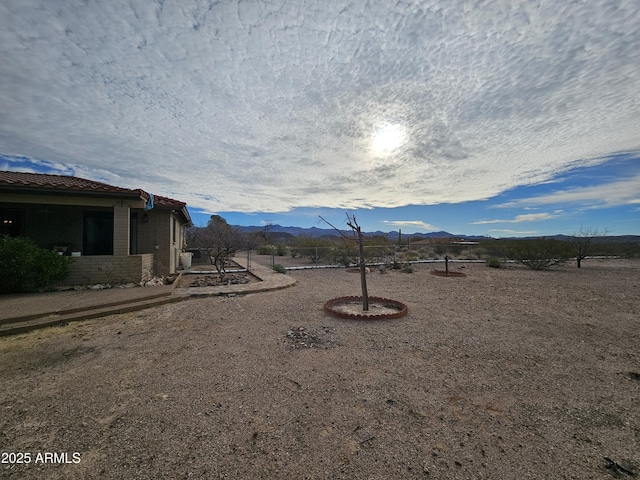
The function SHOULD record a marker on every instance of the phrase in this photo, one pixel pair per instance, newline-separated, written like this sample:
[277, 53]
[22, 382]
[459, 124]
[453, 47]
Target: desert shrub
[407, 268]
[424, 254]
[408, 256]
[278, 249]
[279, 268]
[493, 262]
[25, 267]
[479, 252]
[376, 249]
[315, 249]
[539, 253]
[625, 250]
[494, 248]
[345, 254]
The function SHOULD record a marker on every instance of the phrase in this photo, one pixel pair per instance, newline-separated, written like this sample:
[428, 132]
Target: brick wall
[109, 269]
[147, 262]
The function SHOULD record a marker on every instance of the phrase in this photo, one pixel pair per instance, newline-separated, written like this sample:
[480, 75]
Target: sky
[499, 118]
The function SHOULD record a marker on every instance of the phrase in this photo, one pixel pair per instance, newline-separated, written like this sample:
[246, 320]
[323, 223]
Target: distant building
[443, 241]
[114, 234]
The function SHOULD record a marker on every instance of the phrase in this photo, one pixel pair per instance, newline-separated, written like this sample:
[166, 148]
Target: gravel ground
[505, 373]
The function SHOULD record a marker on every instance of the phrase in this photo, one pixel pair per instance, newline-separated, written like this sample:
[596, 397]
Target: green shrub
[25, 267]
[266, 250]
[493, 262]
[407, 268]
[279, 268]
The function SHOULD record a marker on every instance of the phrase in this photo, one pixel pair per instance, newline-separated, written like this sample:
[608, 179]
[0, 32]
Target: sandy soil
[502, 374]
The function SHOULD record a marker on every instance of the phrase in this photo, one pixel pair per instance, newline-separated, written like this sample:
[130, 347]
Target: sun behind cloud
[387, 138]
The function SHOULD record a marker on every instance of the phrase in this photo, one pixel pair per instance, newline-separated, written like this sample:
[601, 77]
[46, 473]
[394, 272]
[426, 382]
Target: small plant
[346, 261]
[407, 268]
[493, 262]
[25, 267]
[279, 268]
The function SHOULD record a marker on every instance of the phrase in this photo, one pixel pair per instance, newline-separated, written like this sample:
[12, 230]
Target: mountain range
[279, 232]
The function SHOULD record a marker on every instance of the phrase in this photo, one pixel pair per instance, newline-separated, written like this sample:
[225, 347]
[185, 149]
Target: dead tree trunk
[357, 233]
[363, 269]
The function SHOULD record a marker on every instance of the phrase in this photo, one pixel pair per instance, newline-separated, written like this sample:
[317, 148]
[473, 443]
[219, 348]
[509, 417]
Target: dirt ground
[503, 374]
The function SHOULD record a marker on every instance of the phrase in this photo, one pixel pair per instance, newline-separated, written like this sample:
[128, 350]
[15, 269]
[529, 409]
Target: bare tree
[585, 243]
[219, 240]
[357, 236]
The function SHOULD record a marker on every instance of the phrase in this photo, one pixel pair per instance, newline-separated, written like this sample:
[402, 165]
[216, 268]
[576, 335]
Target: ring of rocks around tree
[379, 308]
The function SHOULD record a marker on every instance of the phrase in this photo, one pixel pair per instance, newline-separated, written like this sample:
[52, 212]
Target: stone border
[442, 273]
[328, 307]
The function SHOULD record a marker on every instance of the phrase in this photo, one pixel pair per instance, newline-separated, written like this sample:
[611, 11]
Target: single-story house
[114, 234]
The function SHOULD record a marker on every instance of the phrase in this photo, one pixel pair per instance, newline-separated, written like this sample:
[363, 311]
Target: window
[97, 234]
[12, 222]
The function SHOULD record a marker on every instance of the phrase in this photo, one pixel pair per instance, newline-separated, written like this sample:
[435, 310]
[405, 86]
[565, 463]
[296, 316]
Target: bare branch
[336, 229]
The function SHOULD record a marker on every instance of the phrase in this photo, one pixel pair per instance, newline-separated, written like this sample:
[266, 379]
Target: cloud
[268, 106]
[410, 223]
[529, 217]
[622, 192]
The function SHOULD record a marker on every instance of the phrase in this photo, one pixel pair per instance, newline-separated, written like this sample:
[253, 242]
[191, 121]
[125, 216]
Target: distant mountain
[278, 232]
[293, 231]
[601, 239]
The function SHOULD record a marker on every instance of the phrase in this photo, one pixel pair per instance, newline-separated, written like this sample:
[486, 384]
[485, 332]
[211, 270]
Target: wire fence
[305, 253]
[336, 256]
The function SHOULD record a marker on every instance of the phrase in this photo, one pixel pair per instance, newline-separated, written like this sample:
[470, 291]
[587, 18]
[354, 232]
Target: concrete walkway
[23, 312]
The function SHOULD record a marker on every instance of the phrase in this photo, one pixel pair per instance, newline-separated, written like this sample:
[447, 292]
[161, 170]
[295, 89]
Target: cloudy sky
[481, 117]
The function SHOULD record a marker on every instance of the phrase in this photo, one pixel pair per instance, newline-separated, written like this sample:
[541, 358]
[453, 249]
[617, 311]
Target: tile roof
[63, 183]
[161, 201]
